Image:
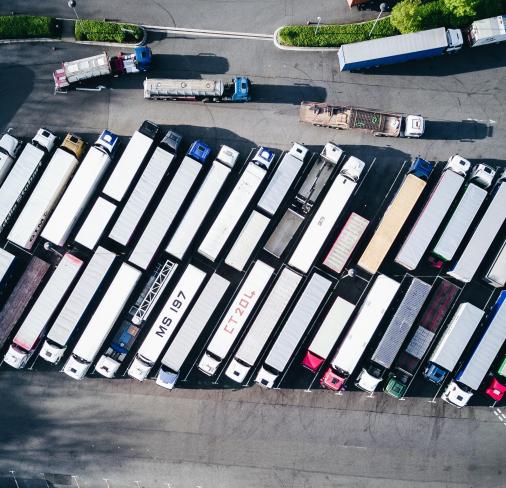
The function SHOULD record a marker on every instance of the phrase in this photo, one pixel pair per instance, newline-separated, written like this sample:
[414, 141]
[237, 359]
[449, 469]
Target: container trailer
[95, 224]
[496, 275]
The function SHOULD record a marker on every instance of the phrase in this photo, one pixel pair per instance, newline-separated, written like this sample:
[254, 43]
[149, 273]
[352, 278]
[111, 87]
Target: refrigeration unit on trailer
[496, 275]
[303, 313]
[391, 342]
[95, 224]
[66, 322]
[453, 342]
[262, 327]
[202, 202]
[170, 204]
[190, 331]
[9, 150]
[145, 188]
[357, 338]
[471, 374]
[166, 323]
[232, 210]
[235, 317]
[101, 322]
[27, 337]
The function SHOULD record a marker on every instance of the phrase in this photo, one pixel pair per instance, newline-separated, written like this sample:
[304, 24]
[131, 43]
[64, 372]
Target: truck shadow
[16, 84]
[288, 94]
[465, 131]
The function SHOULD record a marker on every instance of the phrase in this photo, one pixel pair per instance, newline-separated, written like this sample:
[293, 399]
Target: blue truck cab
[143, 57]
[434, 373]
[107, 142]
[199, 151]
[242, 89]
[421, 168]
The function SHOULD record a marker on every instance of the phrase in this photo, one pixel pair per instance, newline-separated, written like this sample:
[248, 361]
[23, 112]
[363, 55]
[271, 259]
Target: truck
[484, 234]
[136, 319]
[395, 215]
[235, 317]
[9, 150]
[6, 260]
[397, 330]
[328, 334]
[263, 326]
[399, 49]
[496, 275]
[450, 347]
[305, 310]
[202, 202]
[33, 326]
[236, 90]
[465, 212]
[487, 31]
[345, 244]
[101, 322]
[368, 318]
[326, 215]
[407, 363]
[72, 72]
[80, 189]
[193, 326]
[95, 223]
[46, 195]
[131, 160]
[236, 203]
[470, 375]
[170, 204]
[430, 218]
[22, 175]
[145, 188]
[376, 122]
[166, 323]
[285, 174]
[76, 305]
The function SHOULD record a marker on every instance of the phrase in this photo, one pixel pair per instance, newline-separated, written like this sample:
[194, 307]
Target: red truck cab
[332, 380]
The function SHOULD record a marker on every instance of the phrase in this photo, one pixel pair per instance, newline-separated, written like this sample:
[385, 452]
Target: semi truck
[9, 150]
[430, 218]
[397, 330]
[235, 317]
[80, 189]
[236, 90]
[73, 72]
[407, 363]
[95, 223]
[395, 215]
[496, 275]
[262, 327]
[190, 331]
[101, 322]
[145, 188]
[326, 215]
[299, 320]
[487, 31]
[202, 202]
[166, 323]
[33, 326]
[376, 122]
[450, 347]
[170, 204]
[473, 371]
[352, 347]
[236, 203]
[76, 305]
[6, 260]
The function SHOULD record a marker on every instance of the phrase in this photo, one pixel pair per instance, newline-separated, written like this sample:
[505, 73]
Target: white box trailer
[166, 323]
[247, 240]
[487, 31]
[496, 275]
[94, 226]
[76, 196]
[235, 317]
[27, 337]
[190, 331]
[66, 322]
[43, 199]
[6, 260]
[294, 328]
[263, 325]
[102, 321]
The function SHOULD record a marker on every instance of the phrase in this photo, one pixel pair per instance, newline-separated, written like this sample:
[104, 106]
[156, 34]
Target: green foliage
[462, 8]
[25, 26]
[98, 30]
[406, 16]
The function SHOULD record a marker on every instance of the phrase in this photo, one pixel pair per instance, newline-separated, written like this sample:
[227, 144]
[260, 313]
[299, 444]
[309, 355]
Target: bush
[25, 26]
[98, 30]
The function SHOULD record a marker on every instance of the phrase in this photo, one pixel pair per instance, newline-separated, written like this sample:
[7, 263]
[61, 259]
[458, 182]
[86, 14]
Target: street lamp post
[319, 19]
[383, 7]
[73, 4]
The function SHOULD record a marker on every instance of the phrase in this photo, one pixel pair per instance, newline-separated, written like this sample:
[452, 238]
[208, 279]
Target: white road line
[210, 33]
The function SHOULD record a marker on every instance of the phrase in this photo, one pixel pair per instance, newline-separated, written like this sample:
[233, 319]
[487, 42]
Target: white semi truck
[9, 150]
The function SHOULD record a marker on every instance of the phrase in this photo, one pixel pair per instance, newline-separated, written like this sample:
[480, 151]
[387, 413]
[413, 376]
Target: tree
[406, 16]
[463, 8]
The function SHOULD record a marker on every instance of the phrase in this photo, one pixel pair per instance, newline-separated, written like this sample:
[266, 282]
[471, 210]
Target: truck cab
[76, 367]
[166, 377]
[331, 153]
[237, 370]
[172, 141]
[397, 385]
[421, 168]
[209, 363]
[9, 146]
[263, 158]
[16, 357]
[143, 57]
[482, 175]
[458, 165]
[434, 373]
[266, 378]
[369, 379]
[227, 156]
[457, 395]
[413, 126]
[332, 381]
[140, 368]
[44, 140]
[238, 90]
[455, 40]
[108, 142]
[353, 168]
[199, 151]
[74, 145]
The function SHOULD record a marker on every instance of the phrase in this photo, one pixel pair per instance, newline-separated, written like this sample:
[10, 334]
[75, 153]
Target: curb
[294, 48]
[34, 39]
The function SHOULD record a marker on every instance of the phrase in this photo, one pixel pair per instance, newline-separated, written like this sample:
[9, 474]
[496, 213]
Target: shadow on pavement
[289, 94]
[465, 131]
[16, 85]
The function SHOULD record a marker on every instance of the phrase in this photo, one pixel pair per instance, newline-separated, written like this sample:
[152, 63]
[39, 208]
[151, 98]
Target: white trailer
[94, 226]
[263, 325]
[66, 322]
[190, 331]
[487, 31]
[326, 215]
[201, 204]
[430, 218]
[247, 240]
[166, 323]
[496, 275]
[6, 260]
[9, 149]
[101, 322]
[297, 323]
[284, 232]
[235, 317]
[34, 324]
